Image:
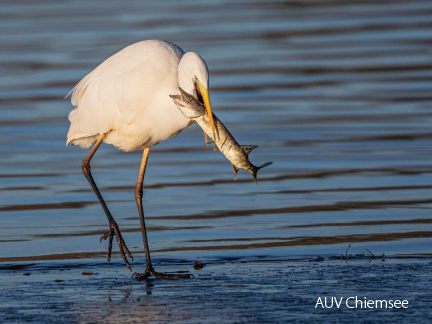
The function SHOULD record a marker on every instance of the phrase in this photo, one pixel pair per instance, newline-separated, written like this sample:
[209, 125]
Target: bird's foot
[115, 231]
[158, 275]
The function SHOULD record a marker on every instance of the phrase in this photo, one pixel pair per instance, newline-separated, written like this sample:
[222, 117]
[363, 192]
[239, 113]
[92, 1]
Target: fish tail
[256, 168]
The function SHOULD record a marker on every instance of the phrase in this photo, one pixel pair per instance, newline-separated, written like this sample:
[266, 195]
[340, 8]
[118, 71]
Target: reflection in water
[337, 94]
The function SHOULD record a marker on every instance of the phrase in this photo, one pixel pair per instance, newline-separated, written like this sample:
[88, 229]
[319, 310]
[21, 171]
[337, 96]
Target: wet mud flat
[264, 290]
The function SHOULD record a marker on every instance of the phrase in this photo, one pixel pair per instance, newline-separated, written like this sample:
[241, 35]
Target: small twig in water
[372, 255]
[346, 252]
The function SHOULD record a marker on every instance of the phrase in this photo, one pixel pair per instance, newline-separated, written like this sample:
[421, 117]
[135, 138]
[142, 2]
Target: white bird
[126, 102]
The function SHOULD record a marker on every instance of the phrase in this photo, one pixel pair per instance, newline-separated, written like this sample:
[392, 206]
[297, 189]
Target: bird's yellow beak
[206, 99]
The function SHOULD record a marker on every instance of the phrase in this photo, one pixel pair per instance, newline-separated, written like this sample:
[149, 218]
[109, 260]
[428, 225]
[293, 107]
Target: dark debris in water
[198, 265]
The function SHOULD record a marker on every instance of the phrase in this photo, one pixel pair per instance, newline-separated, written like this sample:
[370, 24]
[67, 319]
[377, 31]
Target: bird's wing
[122, 86]
[144, 53]
[101, 97]
[116, 64]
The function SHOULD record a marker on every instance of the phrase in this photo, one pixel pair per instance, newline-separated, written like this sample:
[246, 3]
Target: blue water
[337, 94]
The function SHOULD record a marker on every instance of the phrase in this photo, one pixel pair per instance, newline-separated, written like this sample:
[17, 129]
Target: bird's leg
[114, 229]
[138, 198]
[149, 271]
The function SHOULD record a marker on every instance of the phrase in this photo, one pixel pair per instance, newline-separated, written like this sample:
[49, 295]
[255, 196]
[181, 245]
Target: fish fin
[205, 139]
[207, 142]
[215, 148]
[255, 170]
[235, 172]
[248, 148]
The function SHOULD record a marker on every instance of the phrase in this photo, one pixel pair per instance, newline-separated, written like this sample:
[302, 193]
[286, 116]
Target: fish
[237, 154]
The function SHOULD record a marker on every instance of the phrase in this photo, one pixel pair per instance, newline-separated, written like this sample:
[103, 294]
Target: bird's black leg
[149, 271]
[114, 229]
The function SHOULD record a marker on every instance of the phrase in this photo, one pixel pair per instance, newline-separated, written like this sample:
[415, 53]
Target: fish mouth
[198, 96]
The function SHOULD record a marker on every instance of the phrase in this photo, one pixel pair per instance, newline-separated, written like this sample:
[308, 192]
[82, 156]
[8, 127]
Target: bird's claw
[141, 276]
[115, 231]
[158, 275]
[105, 236]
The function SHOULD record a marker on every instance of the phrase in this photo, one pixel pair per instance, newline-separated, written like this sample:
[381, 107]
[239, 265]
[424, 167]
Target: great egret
[126, 102]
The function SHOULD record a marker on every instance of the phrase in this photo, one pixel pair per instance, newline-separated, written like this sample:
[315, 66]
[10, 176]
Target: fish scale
[237, 154]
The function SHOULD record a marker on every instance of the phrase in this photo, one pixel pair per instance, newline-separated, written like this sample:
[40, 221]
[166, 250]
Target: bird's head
[193, 77]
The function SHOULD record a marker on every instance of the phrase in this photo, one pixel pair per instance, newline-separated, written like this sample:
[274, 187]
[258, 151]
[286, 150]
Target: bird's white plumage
[127, 96]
